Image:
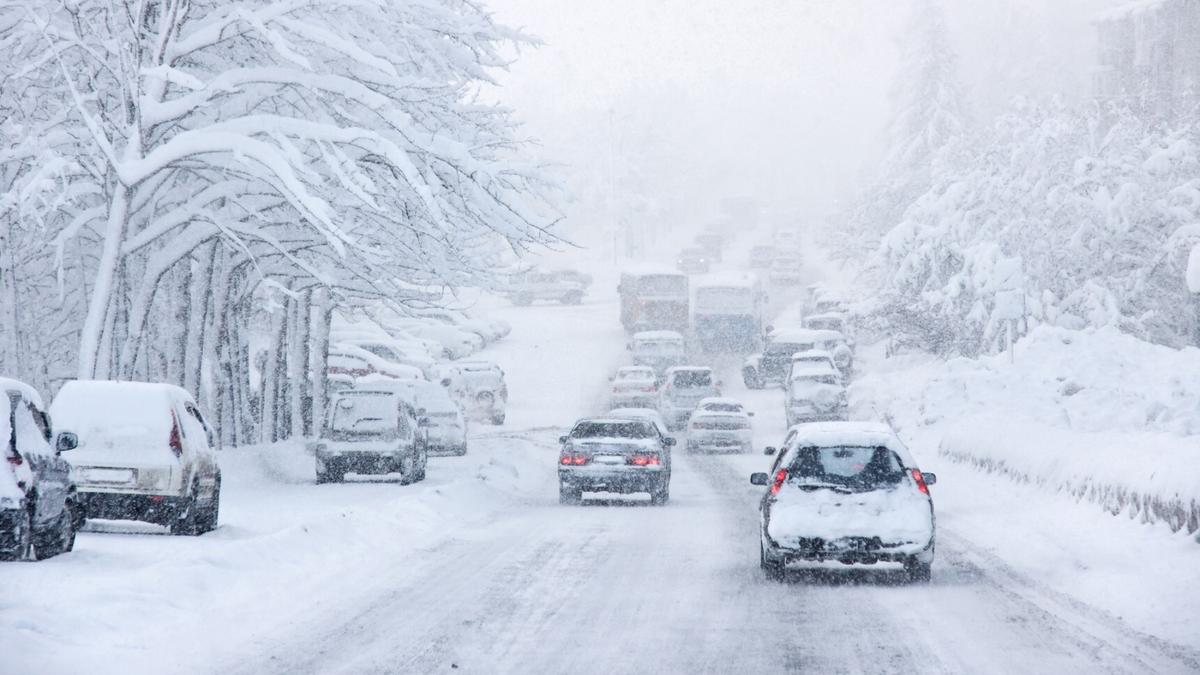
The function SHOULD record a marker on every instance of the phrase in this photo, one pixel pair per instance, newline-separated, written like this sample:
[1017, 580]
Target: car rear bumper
[369, 463]
[718, 443]
[157, 509]
[595, 479]
[850, 550]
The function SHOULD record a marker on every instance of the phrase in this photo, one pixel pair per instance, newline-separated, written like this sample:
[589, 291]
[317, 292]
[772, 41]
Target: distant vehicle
[457, 343]
[568, 288]
[787, 239]
[145, 453]
[370, 431]
[727, 314]
[712, 243]
[772, 365]
[394, 351]
[654, 300]
[682, 390]
[39, 505]
[658, 349]
[486, 330]
[646, 414]
[826, 302]
[813, 360]
[634, 387]
[786, 270]
[346, 358]
[481, 389]
[614, 454]
[816, 395]
[446, 431]
[827, 321]
[761, 257]
[692, 260]
[719, 425]
[848, 492]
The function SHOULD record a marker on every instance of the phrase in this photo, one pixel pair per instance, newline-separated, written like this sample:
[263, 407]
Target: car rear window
[860, 467]
[614, 429]
[366, 414]
[688, 379]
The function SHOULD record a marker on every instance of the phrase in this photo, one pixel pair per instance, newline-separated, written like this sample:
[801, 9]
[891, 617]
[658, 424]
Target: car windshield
[815, 380]
[856, 467]
[723, 407]
[365, 414]
[692, 379]
[614, 429]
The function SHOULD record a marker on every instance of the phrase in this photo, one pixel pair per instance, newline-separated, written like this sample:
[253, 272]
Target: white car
[487, 330]
[456, 343]
[395, 351]
[145, 453]
[634, 387]
[647, 414]
[846, 492]
[682, 390]
[816, 394]
[479, 387]
[353, 359]
[722, 404]
[447, 426]
[716, 430]
[810, 360]
[658, 349]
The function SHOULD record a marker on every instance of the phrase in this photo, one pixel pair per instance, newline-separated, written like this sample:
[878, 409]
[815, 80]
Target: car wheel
[461, 450]
[661, 494]
[187, 523]
[918, 572]
[330, 476]
[771, 568]
[59, 539]
[210, 515]
[424, 465]
[19, 548]
[498, 419]
[568, 495]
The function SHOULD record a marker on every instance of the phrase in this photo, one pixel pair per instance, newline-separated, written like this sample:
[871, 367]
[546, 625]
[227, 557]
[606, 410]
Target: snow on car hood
[896, 515]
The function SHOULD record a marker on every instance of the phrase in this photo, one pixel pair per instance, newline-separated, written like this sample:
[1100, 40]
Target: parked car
[692, 260]
[848, 492]
[486, 330]
[720, 427]
[816, 395]
[761, 257]
[39, 505]
[394, 351]
[658, 349]
[646, 414]
[456, 342]
[786, 270]
[349, 359]
[614, 454]
[634, 387]
[480, 387]
[713, 245]
[807, 361]
[835, 321]
[370, 430]
[145, 453]
[682, 390]
[446, 431]
[568, 288]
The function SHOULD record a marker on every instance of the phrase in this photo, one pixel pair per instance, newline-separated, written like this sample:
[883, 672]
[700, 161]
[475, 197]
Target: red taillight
[780, 477]
[574, 460]
[645, 460]
[175, 441]
[916, 474]
[16, 460]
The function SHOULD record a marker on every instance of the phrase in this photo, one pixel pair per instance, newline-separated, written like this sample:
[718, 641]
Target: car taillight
[780, 477]
[175, 441]
[916, 474]
[15, 460]
[645, 460]
[574, 459]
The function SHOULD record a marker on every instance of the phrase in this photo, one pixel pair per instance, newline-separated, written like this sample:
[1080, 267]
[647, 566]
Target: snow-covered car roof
[645, 370]
[807, 369]
[657, 335]
[28, 392]
[127, 409]
[854, 434]
[811, 355]
[475, 365]
[719, 400]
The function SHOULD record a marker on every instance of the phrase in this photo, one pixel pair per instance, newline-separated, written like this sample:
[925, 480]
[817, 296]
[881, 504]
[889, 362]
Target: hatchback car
[815, 394]
[692, 260]
[39, 507]
[145, 453]
[719, 431]
[658, 349]
[370, 431]
[845, 492]
[614, 454]
[634, 387]
[682, 390]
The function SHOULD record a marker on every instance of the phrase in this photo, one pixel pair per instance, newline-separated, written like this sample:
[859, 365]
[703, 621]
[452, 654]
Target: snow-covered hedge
[1099, 208]
[1096, 413]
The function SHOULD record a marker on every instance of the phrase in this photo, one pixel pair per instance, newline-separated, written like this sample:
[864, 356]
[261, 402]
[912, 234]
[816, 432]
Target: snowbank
[1096, 414]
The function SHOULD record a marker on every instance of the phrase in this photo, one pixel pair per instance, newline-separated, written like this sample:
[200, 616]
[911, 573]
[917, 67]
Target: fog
[658, 110]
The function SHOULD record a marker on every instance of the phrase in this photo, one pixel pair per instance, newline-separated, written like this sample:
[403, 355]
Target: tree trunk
[91, 342]
[298, 364]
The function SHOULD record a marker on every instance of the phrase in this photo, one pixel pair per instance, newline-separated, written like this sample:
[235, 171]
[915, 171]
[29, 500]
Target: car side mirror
[66, 441]
[669, 442]
[930, 478]
[769, 451]
[760, 479]
[562, 439]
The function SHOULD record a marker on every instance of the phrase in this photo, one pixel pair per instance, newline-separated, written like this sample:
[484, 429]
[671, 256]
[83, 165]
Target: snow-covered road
[479, 569]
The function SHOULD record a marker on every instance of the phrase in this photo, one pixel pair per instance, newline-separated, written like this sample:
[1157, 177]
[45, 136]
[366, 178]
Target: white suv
[145, 453]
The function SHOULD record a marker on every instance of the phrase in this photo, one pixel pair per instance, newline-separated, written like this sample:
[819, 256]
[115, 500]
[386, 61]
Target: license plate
[110, 476]
[611, 460]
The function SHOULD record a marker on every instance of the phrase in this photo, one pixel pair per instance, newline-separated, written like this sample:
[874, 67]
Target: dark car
[614, 454]
[39, 508]
[712, 243]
